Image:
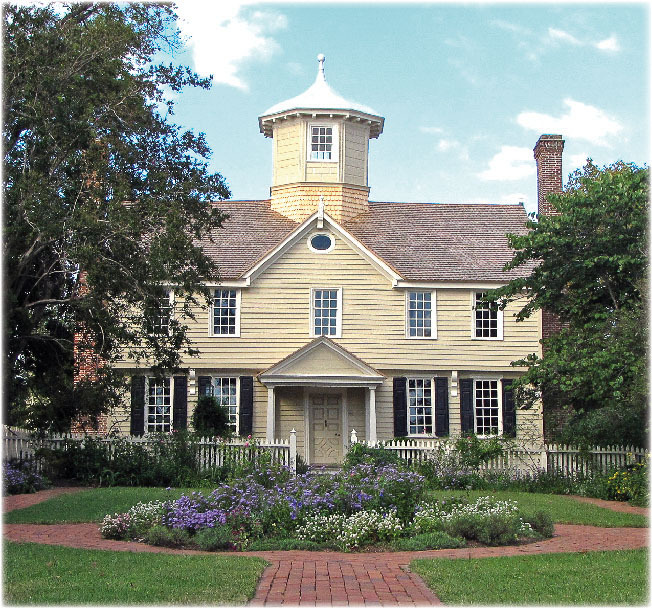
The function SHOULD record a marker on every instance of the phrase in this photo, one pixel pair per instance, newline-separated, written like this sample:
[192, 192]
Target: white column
[372, 414]
[271, 413]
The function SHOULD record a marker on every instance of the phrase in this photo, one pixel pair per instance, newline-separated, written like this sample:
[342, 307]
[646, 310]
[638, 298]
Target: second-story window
[420, 314]
[487, 318]
[159, 314]
[326, 312]
[321, 142]
[226, 315]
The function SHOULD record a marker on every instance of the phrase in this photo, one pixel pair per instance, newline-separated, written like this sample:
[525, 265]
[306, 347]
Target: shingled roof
[422, 242]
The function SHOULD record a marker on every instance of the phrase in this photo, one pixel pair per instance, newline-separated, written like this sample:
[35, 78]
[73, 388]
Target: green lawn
[42, 574]
[90, 505]
[603, 578]
[562, 509]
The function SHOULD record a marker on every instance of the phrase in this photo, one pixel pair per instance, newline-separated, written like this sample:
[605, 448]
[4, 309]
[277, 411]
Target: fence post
[293, 451]
[354, 437]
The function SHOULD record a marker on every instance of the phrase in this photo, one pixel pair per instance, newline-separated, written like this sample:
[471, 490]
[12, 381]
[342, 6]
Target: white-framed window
[420, 314]
[420, 406]
[225, 314]
[160, 313]
[158, 405]
[326, 312]
[322, 142]
[321, 242]
[487, 407]
[487, 318]
[225, 390]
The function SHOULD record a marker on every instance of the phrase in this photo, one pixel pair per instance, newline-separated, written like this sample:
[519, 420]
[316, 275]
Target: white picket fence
[211, 451]
[525, 458]
[214, 452]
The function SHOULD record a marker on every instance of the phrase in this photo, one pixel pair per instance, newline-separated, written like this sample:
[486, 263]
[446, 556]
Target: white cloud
[223, 35]
[431, 130]
[575, 161]
[581, 121]
[608, 44]
[511, 163]
[556, 34]
[454, 147]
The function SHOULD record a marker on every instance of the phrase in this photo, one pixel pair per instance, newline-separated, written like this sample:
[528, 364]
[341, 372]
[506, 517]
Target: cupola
[320, 149]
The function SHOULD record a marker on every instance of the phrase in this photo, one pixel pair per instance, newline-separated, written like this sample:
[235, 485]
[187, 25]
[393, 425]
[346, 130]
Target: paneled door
[325, 428]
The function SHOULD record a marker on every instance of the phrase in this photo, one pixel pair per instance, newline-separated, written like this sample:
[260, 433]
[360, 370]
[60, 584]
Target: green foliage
[430, 540]
[542, 523]
[98, 180]
[210, 418]
[588, 265]
[162, 536]
[218, 538]
[288, 544]
[361, 453]
[474, 451]
[631, 484]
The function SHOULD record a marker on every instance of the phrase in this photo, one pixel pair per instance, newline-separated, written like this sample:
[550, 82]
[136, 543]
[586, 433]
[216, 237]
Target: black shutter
[180, 404]
[400, 407]
[205, 386]
[246, 405]
[466, 405]
[137, 405]
[441, 407]
[509, 411]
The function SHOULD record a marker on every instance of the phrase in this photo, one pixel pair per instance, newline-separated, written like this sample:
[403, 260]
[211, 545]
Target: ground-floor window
[419, 406]
[225, 390]
[487, 407]
[158, 406]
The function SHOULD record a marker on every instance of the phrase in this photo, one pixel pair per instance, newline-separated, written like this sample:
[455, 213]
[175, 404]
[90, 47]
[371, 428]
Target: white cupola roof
[319, 96]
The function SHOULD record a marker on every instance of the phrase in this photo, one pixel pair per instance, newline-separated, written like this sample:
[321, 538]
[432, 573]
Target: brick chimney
[547, 153]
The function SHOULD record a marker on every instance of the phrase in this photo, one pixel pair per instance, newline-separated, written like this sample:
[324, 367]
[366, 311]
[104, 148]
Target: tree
[99, 184]
[589, 268]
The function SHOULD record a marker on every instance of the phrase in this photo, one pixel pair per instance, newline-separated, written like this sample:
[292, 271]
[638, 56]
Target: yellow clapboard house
[335, 313]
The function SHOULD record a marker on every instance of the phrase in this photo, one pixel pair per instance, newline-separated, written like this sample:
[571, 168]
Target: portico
[325, 391]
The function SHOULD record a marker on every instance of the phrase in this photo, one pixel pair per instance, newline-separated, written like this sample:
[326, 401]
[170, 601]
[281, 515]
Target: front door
[325, 428]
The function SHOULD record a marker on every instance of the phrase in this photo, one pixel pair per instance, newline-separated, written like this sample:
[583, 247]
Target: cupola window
[321, 143]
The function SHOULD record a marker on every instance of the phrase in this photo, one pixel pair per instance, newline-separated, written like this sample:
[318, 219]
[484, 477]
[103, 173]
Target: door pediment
[322, 362]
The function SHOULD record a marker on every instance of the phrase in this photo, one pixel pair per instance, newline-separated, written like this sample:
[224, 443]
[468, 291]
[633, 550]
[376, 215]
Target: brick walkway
[341, 579]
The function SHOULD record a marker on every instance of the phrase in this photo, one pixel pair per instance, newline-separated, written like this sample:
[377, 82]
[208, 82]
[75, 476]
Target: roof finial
[321, 58]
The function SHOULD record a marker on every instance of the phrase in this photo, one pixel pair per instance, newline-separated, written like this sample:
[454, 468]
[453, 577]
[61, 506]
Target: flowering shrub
[630, 483]
[352, 531]
[21, 478]
[493, 522]
[134, 523]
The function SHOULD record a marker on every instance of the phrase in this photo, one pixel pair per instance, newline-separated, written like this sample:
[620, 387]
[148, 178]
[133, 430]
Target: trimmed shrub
[210, 418]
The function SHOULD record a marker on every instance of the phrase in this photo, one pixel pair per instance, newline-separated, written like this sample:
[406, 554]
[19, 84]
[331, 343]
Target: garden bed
[364, 507]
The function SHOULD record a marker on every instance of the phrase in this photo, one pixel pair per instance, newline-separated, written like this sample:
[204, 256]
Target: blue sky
[465, 89]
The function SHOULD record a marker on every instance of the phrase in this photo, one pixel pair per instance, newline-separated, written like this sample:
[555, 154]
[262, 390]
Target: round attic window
[321, 243]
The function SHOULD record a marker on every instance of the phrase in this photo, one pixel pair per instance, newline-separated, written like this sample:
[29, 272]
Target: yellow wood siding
[288, 152]
[275, 320]
[355, 142]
